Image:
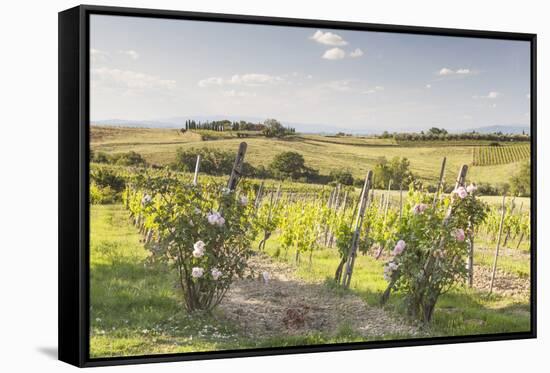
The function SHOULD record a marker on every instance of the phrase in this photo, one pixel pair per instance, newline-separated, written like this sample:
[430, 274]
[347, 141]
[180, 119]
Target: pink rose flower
[459, 235]
[471, 188]
[215, 218]
[461, 192]
[399, 247]
[419, 208]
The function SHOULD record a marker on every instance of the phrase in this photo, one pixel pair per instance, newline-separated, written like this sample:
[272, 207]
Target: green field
[495, 155]
[325, 153]
[135, 309]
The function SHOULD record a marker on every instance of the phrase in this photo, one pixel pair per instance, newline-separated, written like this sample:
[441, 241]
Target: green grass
[136, 310]
[326, 153]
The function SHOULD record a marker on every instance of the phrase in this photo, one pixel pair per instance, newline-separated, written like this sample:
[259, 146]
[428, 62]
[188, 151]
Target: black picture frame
[73, 183]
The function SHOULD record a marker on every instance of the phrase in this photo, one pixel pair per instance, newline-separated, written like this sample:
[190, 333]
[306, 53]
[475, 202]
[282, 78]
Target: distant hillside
[313, 128]
[178, 122]
[513, 130]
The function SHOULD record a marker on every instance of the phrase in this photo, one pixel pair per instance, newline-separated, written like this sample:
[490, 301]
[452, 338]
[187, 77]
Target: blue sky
[150, 69]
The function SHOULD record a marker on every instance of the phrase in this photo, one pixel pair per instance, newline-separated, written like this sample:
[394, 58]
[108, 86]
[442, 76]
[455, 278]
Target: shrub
[105, 186]
[106, 178]
[397, 170]
[99, 195]
[430, 249]
[204, 234]
[130, 158]
[520, 183]
[100, 157]
[288, 165]
[344, 177]
[273, 128]
[213, 161]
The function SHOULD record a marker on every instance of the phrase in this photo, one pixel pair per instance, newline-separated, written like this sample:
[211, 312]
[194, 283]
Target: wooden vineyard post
[387, 204]
[352, 253]
[509, 228]
[334, 210]
[259, 196]
[440, 182]
[197, 167]
[237, 170]
[400, 201]
[498, 243]
[471, 256]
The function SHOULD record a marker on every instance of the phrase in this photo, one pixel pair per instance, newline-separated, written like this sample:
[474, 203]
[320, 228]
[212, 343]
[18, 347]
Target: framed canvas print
[235, 186]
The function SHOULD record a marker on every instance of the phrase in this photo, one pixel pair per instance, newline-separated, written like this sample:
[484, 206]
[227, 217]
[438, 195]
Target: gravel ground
[506, 284]
[286, 305]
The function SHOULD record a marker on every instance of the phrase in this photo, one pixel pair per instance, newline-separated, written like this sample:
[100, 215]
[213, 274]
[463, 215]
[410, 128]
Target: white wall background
[28, 184]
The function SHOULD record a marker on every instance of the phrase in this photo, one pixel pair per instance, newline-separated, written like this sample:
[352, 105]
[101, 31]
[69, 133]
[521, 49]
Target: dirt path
[507, 284]
[286, 305]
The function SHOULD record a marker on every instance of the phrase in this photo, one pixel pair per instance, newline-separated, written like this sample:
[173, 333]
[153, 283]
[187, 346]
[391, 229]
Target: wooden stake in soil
[352, 253]
[237, 170]
[400, 201]
[498, 243]
[259, 196]
[197, 166]
[440, 182]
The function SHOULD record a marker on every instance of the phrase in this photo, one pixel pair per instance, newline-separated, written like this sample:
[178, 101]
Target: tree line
[270, 127]
[435, 133]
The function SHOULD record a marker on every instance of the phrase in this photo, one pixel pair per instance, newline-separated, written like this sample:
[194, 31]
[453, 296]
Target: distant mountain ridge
[178, 122]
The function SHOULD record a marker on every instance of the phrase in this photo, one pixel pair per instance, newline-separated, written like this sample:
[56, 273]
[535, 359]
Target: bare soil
[507, 284]
[286, 305]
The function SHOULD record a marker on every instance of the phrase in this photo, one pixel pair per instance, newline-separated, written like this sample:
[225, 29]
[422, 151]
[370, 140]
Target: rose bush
[430, 251]
[202, 232]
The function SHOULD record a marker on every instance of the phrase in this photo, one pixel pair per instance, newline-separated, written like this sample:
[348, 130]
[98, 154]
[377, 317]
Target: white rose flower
[197, 272]
[213, 218]
[216, 273]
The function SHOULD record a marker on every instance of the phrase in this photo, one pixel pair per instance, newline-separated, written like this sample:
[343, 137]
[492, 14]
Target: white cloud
[130, 53]
[370, 91]
[445, 71]
[131, 81]
[255, 79]
[251, 80]
[212, 81]
[234, 93]
[356, 53]
[334, 54]
[491, 95]
[97, 55]
[328, 38]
